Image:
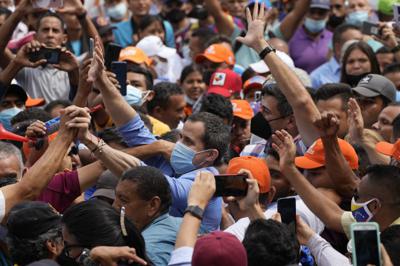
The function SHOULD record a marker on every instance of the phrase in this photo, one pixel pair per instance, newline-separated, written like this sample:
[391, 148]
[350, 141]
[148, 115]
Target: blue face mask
[6, 115]
[117, 12]
[134, 96]
[357, 18]
[314, 26]
[182, 159]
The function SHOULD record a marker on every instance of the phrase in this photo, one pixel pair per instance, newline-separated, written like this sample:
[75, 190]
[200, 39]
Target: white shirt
[44, 82]
[181, 257]
[239, 228]
[2, 206]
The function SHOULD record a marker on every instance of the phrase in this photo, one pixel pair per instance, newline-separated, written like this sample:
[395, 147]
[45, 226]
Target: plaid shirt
[260, 148]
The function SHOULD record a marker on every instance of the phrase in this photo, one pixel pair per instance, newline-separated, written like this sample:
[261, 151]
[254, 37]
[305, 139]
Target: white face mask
[161, 68]
[117, 12]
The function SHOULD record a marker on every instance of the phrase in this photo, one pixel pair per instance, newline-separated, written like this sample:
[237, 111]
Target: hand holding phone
[91, 47]
[365, 244]
[112, 54]
[370, 28]
[47, 3]
[52, 55]
[120, 69]
[231, 185]
[287, 210]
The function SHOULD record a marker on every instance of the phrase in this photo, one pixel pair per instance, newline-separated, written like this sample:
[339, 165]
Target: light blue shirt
[328, 72]
[123, 33]
[135, 133]
[160, 237]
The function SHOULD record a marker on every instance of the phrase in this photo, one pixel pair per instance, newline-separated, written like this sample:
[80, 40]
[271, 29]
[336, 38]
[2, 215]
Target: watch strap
[268, 49]
[195, 210]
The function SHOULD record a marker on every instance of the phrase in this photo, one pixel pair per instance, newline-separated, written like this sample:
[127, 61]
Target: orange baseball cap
[242, 109]
[30, 102]
[217, 53]
[315, 155]
[257, 167]
[392, 150]
[134, 55]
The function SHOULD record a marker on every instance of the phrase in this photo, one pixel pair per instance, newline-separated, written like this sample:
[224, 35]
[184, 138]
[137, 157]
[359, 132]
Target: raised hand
[80, 120]
[284, 145]
[256, 27]
[253, 191]
[97, 67]
[68, 62]
[202, 190]
[36, 130]
[327, 125]
[110, 256]
[303, 231]
[72, 7]
[22, 57]
[355, 121]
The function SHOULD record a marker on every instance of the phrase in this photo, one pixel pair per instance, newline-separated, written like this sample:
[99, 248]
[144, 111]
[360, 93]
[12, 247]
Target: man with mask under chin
[359, 11]
[309, 46]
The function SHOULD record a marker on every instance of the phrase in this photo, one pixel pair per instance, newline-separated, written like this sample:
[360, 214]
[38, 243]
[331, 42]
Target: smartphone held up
[47, 3]
[231, 185]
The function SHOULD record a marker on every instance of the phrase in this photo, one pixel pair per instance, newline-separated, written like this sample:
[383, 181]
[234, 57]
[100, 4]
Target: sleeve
[346, 220]
[180, 188]
[2, 206]
[325, 254]
[169, 34]
[135, 133]
[238, 229]
[181, 257]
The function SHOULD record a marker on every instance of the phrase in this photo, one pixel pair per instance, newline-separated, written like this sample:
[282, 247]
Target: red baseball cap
[219, 248]
[225, 82]
[257, 167]
[315, 155]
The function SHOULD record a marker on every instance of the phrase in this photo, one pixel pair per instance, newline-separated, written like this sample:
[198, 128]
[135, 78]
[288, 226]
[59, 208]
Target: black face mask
[62, 259]
[176, 15]
[335, 21]
[353, 80]
[260, 126]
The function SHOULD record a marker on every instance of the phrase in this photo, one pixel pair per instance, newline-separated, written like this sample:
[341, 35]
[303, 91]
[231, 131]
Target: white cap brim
[260, 67]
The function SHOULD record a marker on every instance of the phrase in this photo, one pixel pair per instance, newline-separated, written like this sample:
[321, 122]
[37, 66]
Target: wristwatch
[195, 210]
[266, 51]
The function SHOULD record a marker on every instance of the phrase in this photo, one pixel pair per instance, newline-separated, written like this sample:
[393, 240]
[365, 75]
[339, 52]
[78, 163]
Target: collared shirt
[135, 133]
[160, 237]
[326, 73]
[124, 31]
[260, 148]
[309, 53]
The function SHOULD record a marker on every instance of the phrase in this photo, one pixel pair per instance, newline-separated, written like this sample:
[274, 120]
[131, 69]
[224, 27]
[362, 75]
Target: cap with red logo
[225, 82]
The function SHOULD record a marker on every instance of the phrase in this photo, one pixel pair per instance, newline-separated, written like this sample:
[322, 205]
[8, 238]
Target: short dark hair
[218, 105]
[171, 136]
[383, 50]
[396, 127]
[284, 108]
[390, 238]
[147, 20]
[216, 134]
[31, 114]
[163, 92]
[150, 182]
[334, 90]
[51, 14]
[131, 67]
[391, 68]
[386, 179]
[187, 70]
[205, 35]
[339, 30]
[53, 104]
[219, 38]
[268, 242]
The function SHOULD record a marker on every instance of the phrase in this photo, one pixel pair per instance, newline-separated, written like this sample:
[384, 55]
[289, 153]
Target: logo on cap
[366, 79]
[219, 79]
[210, 50]
[311, 149]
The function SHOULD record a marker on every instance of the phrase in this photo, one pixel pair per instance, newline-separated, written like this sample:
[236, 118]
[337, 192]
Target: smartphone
[365, 244]
[47, 4]
[91, 47]
[287, 210]
[260, 127]
[370, 28]
[257, 96]
[52, 55]
[119, 69]
[396, 14]
[231, 185]
[112, 54]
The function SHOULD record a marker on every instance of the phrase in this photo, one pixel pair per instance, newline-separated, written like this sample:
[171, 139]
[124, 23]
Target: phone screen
[287, 210]
[367, 247]
[119, 69]
[51, 55]
[91, 47]
[112, 54]
[370, 28]
[231, 185]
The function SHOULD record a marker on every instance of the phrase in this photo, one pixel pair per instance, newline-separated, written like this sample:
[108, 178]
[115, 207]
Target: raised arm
[292, 21]
[328, 211]
[344, 179]
[305, 111]
[121, 112]
[40, 174]
[224, 24]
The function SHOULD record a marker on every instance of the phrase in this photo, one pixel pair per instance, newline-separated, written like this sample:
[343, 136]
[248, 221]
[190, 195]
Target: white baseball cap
[260, 67]
[152, 46]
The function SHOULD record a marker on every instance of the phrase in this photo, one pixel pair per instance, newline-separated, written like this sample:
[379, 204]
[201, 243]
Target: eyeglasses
[68, 250]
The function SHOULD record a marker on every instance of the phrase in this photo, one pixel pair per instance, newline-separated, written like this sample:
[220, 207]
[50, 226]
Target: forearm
[89, 174]
[324, 253]
[146, 151]
[296, 94]
[255, 213]
[116, 161]
[74, 77]
[187, 234]
[292, 21]
[325, 209]
[373, 156]
[224, 24]
[338, 169]
[7, 29]
[121, 112]
[80, 99]
[8, 74]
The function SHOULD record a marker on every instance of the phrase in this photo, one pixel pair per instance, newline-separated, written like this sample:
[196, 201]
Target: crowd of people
[302, 97]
